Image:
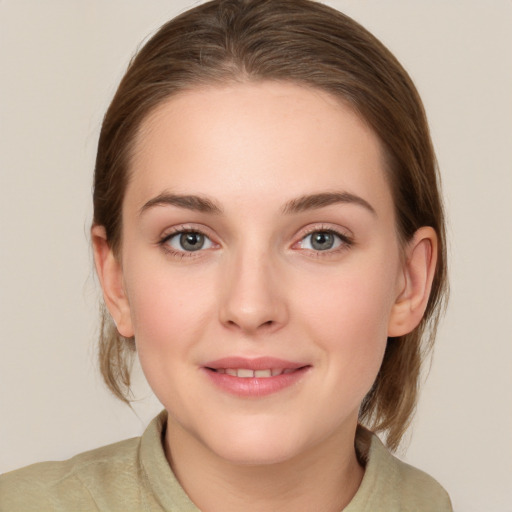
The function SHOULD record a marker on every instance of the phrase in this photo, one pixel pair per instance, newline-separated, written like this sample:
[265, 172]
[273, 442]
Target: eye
[188, 241]
[324, 240]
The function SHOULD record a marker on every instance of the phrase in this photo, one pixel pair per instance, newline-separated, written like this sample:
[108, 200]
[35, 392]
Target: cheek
[168, 309]
[349, 319]
[357, 298]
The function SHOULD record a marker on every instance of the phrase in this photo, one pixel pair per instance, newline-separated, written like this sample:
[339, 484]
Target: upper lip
[258, 363]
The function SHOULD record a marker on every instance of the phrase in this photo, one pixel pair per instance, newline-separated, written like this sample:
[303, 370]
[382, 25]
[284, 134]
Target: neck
[326, 477]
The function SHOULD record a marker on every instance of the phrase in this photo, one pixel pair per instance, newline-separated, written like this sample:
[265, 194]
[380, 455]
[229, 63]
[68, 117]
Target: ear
[110, 274]
[418, 272]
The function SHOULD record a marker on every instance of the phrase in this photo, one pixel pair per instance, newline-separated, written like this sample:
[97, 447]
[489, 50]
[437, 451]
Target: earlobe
[110, 274]
[418, 273]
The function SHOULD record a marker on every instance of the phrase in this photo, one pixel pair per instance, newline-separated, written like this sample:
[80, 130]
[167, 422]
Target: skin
[259, 287]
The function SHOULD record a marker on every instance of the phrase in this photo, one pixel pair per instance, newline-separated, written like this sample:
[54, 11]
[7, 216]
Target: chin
[256, 455]
[257, 446]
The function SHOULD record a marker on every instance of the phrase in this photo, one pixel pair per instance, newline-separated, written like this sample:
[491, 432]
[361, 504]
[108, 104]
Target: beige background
[60, 62]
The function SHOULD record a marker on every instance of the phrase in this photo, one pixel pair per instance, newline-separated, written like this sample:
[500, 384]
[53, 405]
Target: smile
[246, 373]
[254, 378]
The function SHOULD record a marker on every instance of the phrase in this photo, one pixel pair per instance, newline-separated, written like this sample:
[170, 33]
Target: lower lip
[255, 386]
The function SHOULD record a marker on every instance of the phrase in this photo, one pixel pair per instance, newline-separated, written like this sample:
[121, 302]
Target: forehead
[256, 139]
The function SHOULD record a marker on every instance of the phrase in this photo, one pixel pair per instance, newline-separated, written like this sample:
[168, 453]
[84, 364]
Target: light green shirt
[134, 475]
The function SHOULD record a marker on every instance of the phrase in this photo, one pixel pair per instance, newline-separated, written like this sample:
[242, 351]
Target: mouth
[247, 373]
[259, 377]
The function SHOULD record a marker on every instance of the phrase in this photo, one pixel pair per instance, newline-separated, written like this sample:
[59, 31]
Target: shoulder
[419, 490]
[64, 484]
[390, 484]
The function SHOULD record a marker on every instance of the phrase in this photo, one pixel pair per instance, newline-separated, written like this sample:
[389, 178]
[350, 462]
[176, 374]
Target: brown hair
[303, 42]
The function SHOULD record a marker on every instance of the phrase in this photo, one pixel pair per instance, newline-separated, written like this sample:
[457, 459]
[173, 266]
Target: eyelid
[169, 233]
[178, 236]
[344, 234]
[186, 228]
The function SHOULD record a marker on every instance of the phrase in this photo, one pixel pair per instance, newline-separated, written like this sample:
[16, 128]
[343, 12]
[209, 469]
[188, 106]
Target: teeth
[263, 373]
[245, 373]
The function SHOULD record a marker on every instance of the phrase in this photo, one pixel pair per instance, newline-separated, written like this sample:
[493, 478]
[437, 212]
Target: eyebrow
[189, 202]
[316, 201]
[300, 204]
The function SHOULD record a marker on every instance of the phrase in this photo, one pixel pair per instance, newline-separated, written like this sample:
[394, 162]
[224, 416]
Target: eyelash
[164, 242]
[345, 241]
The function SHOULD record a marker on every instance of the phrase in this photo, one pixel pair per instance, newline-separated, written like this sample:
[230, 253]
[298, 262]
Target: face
[260, 266]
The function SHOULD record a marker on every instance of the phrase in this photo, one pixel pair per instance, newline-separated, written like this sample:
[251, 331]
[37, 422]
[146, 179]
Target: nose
[252, 296]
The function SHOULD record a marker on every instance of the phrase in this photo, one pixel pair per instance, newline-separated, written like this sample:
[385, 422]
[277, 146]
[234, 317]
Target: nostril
[268, 322]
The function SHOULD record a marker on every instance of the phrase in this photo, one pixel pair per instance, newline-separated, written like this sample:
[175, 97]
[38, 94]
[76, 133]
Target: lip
[254, 386]
[258, 363]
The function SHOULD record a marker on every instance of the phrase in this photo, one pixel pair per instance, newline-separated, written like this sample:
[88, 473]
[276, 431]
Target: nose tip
[252, 299]
[249, 321]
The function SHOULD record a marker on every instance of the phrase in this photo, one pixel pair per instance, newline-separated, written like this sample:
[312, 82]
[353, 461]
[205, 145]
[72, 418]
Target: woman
[269, 235]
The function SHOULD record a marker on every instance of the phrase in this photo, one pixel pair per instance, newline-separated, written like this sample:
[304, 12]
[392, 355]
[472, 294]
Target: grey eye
[189, 241]
[321, 241]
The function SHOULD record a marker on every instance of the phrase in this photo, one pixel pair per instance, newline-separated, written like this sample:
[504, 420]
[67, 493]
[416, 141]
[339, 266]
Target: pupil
[192, 241]
[322, 241]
